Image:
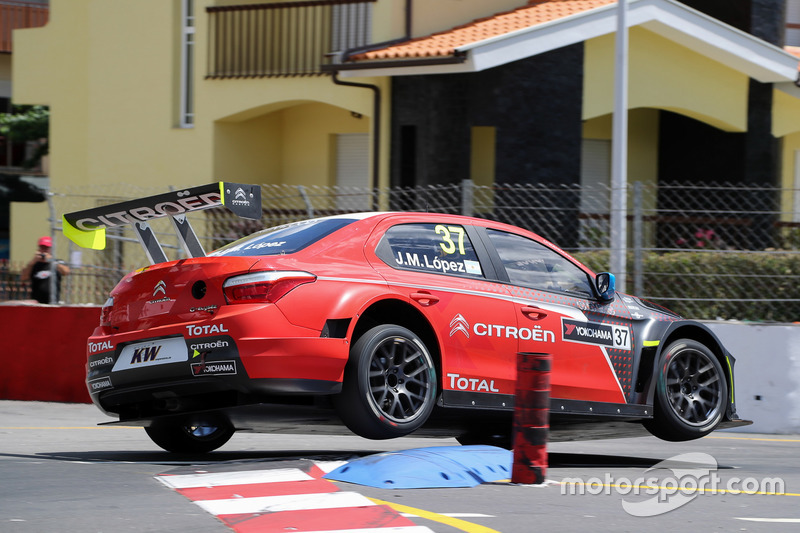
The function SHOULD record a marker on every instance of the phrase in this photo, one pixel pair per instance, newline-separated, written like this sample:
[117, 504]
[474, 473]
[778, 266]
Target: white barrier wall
[767, 373]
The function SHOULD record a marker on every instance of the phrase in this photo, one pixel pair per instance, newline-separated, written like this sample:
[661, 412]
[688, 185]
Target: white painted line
[245, 477]
[771, 520]
[288, 502]
[454, 515]
[329, 466]
[403, 529]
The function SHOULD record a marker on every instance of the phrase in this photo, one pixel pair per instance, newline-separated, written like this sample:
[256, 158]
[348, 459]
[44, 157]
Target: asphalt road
[59, 472]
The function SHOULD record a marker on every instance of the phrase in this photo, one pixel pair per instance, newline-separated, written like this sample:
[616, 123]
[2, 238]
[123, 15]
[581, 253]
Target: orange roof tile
[444, 43]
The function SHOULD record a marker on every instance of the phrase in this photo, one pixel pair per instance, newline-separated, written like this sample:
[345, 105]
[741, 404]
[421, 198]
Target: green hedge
[758, 286]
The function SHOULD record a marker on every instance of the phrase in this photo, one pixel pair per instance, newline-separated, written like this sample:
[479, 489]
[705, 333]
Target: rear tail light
[105, 313]
[264, 287]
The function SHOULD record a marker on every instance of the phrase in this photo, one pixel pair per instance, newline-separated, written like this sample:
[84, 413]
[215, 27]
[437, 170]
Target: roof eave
[737, 49]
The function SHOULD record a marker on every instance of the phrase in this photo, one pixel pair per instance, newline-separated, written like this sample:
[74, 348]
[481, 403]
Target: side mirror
[606, 286]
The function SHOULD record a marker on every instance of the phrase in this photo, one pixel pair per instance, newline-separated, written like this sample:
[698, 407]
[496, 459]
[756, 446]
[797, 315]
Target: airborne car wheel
[389, 387]
[691, 392]
[190, 437]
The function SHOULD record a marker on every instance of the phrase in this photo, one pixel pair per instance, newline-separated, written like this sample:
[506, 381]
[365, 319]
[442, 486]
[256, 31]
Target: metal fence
[704, 250]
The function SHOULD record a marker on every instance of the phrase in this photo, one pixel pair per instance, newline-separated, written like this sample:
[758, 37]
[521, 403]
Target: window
[351, 26]
[286, 239]
[531, 264]
[186, 114]
[434, 248]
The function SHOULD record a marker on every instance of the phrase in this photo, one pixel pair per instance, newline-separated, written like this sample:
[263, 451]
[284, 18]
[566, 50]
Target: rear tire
[691, 392]
[190, 437]
[389, 387]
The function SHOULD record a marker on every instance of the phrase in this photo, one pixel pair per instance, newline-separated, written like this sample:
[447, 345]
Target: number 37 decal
[448, 245]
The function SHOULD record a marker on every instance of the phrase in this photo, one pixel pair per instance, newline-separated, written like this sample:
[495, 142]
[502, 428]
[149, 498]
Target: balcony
[284, 39]
[14, 15]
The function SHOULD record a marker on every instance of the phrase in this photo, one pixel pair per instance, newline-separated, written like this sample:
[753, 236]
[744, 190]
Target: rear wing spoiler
[87, 228]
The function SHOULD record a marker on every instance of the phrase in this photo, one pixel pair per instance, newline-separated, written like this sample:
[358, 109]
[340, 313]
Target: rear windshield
[286, 239]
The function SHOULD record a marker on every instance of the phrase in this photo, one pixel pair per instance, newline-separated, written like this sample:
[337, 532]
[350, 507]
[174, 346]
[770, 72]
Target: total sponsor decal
[103, 346]
[100, 384]
[458, 382]
[459, 324]
[611, 335]
[214, 368]
[208, 329]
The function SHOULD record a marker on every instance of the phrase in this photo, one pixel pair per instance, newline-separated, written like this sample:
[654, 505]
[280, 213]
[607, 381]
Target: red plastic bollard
[531, 418]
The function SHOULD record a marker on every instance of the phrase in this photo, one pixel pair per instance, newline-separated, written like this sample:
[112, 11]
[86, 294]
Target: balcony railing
[14, 15]
[284, 39]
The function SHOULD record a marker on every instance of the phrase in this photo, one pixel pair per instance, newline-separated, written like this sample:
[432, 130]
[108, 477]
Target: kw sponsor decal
[614, 336]
[214, 368]
[145, 354]
[95, 347]
[97, 385]
[459, 324]
[151, 353]
[472, 384]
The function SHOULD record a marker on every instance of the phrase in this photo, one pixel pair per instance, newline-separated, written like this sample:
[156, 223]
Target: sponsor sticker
[458, 382]
[151, 353]
[107, 360]
[459, 324]
[100, 384]
[613, 336]
[214, 368]
[208, 329]
[102, 346]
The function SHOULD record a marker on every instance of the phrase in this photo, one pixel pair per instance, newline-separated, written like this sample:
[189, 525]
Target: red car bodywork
[180, 337]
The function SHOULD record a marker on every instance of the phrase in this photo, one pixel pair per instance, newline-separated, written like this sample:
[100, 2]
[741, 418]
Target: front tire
[389, 387]
[190, 437]
[691, 392]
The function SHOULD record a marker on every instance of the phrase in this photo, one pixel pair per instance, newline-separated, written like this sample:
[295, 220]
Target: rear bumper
[135, 375]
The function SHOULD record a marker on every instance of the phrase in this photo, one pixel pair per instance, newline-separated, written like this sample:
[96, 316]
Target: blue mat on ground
[435, 467]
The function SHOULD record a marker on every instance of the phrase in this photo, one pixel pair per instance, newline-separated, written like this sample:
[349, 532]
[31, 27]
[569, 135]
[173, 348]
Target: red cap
[46, 241]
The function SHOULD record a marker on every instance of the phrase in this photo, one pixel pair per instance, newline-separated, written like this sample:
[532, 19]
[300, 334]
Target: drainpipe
[376, 106]
[376, 122]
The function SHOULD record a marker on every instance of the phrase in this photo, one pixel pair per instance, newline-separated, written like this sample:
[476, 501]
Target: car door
[558, 312]
[437, 266]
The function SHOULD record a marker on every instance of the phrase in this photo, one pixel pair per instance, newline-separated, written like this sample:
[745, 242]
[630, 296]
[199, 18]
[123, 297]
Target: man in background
[38, 272]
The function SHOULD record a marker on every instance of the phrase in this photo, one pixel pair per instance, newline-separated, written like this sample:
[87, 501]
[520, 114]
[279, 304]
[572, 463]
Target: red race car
[390, 323]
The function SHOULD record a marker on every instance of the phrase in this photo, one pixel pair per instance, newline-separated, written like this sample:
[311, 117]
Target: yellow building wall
[110, 73]
[642, 142]
[665, 75]
[790, 153]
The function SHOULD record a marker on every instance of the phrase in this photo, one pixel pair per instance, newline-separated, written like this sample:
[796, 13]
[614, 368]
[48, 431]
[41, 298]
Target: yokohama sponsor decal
[214, 368]
[613, 336]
